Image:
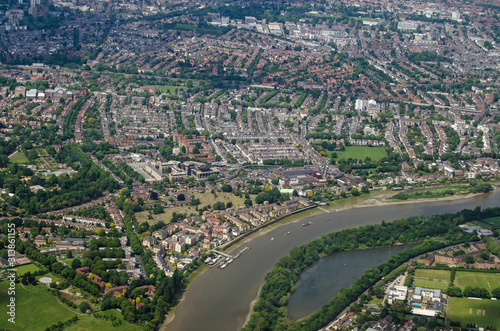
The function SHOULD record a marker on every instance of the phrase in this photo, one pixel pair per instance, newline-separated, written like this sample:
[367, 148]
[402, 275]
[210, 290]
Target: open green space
[205, 200]
[36, 308]
[488, 281]
[89, 322]
[360, 152]
[42, 152]
[45, 161]
[435, 275]
[481, 312]
[434, 279]
[485, 225]
[19, 157]
[21, 270]
[493, 221]
[425, 283]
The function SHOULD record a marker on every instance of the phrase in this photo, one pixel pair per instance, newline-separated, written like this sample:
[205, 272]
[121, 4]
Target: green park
[361, 153]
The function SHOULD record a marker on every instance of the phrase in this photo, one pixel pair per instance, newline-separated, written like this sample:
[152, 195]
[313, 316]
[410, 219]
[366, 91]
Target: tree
[495, 293]
[484, 255]
[469, 259]
[106, 303]
[248, 202]
[296, 254]
[76, 263]
[365, 190]
[84, 307]
[219, 205]
[158, 208]
[355, 192]
[227, 188]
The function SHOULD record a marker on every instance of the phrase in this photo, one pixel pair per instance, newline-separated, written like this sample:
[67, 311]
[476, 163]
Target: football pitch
[361, 153]
[433, 279]
[431, 274]
[440, 285]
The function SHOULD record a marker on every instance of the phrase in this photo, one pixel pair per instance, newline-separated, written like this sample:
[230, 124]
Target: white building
[397, 292]
[427, 294]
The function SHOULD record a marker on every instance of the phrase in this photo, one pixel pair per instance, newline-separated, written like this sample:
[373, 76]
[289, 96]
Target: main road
[222, 299]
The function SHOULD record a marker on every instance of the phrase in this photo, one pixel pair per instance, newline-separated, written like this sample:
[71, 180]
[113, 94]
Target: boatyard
[222, 260]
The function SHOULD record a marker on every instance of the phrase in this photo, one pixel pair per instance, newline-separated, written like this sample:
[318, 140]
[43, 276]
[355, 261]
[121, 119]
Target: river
[221, 299]
[322, 281]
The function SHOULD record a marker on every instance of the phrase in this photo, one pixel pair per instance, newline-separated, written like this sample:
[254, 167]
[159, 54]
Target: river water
[322, 281]
[220, 300]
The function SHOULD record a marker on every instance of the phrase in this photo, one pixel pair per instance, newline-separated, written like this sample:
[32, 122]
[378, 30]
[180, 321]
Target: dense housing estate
[139, 140]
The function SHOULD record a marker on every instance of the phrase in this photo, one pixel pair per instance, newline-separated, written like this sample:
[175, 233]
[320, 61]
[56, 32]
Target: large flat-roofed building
[427, 294]
[407, 26]
[148, 171]
[204, 171]
[426, 302]
[397, 292]
[31, 93]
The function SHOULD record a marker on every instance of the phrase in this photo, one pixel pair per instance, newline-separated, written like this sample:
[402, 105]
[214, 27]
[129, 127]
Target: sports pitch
[481, 312]
[36, 308]
[488, 281]
[361, 152]
[430, 284]
[430, 274]
[433, 279]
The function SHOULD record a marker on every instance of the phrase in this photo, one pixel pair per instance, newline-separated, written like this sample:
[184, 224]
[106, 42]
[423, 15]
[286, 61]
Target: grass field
[493, 221]
[361, 152]
[27, 267]
[19, 157]
[439, 285]
[477, 279]
[205, 199]
[439, 275]
[433, 279]
[481, 312]
[484, 225]
[36, 308]
[88, 322]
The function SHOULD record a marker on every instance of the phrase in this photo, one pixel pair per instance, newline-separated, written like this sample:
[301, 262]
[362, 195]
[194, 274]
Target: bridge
[220, 253]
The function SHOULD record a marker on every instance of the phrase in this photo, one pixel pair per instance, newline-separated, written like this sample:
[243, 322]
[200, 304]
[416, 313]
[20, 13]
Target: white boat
[223, 266]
